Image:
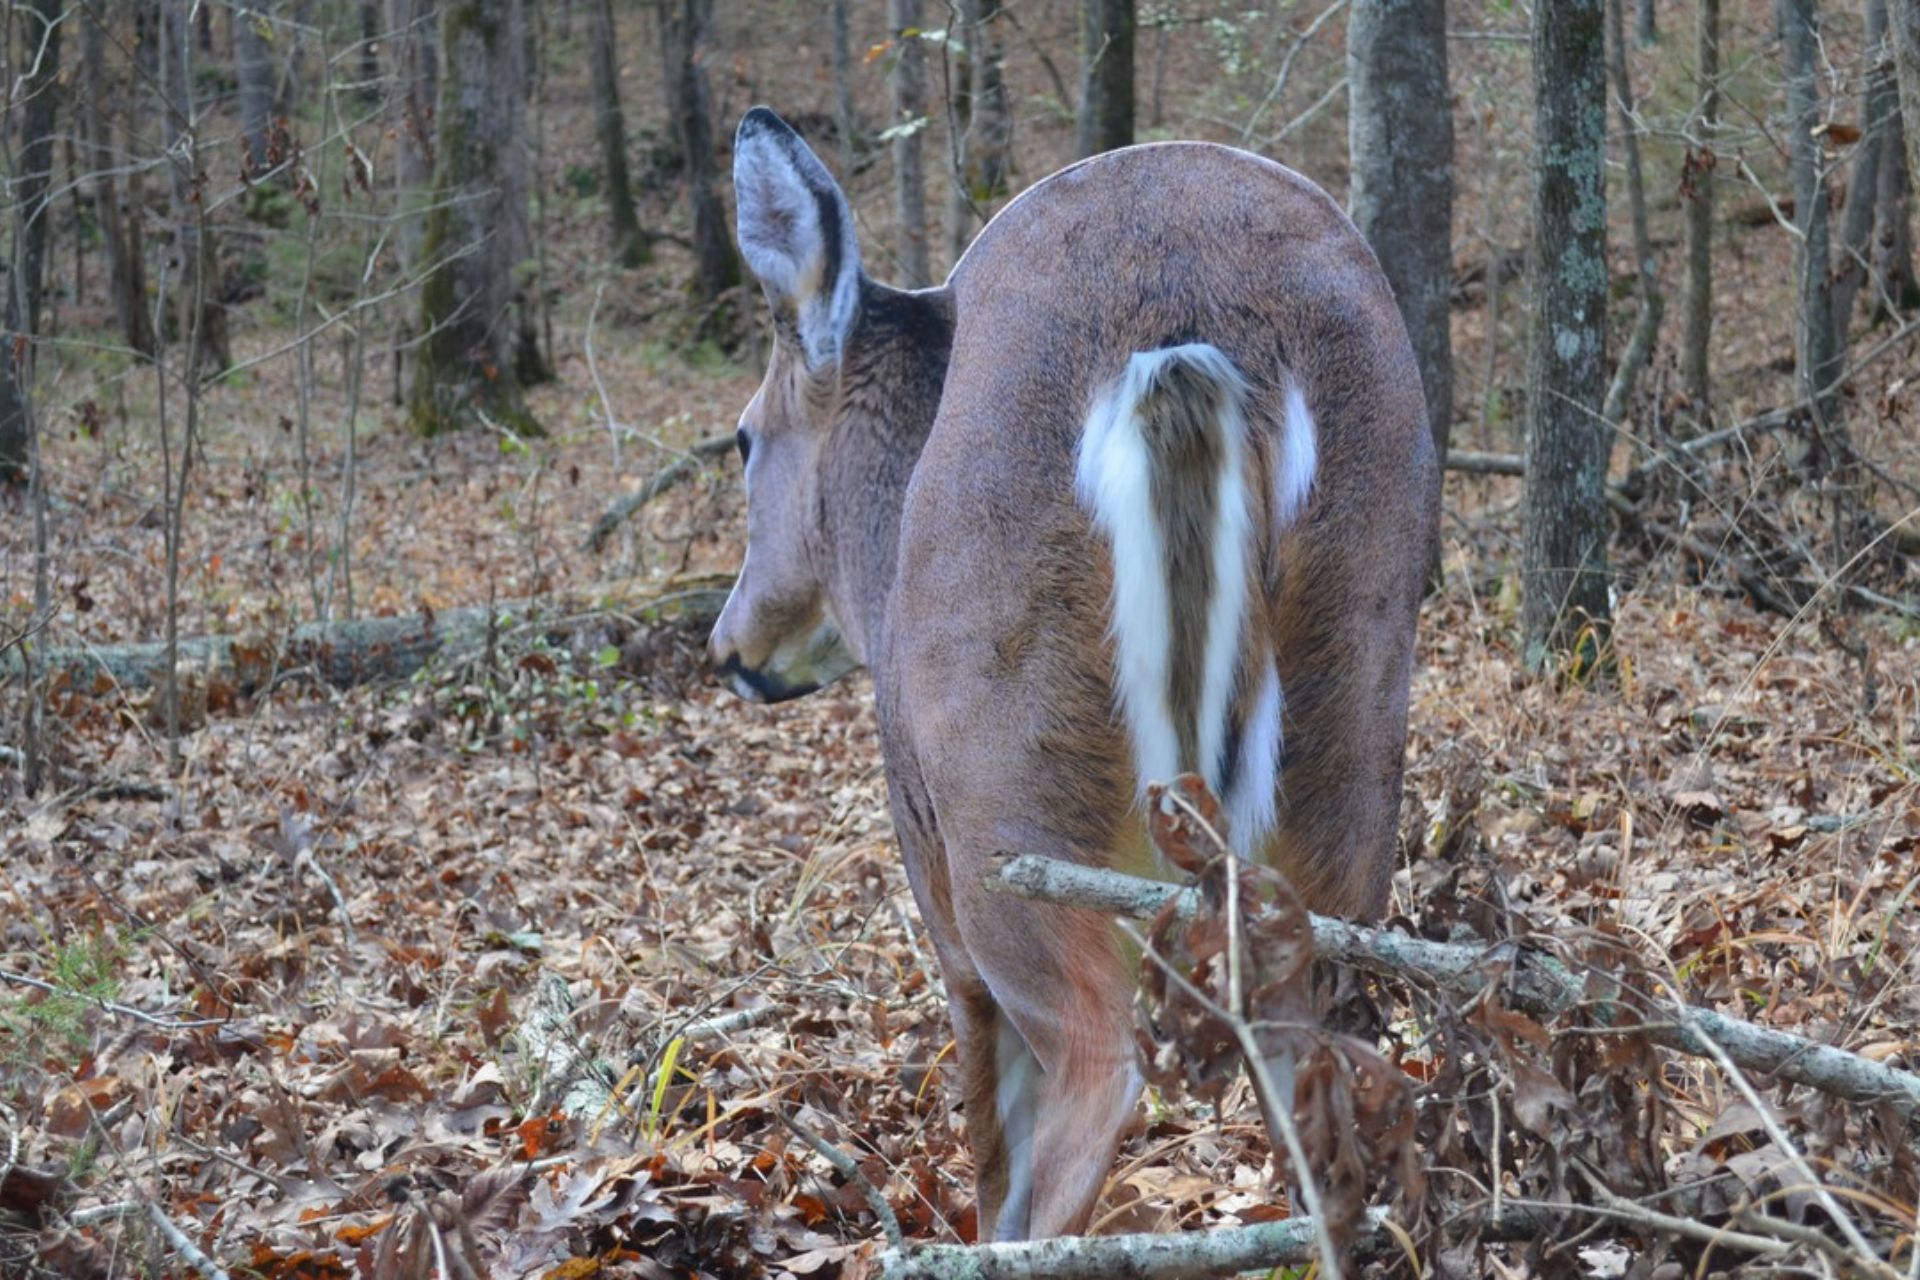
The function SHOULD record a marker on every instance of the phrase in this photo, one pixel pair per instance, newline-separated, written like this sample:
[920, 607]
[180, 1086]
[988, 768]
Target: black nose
[771, 688]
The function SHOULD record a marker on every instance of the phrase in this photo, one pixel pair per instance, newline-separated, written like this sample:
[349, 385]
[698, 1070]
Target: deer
[1145, 488]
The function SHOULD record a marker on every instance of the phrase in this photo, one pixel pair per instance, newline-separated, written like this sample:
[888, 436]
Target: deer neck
[897, 368]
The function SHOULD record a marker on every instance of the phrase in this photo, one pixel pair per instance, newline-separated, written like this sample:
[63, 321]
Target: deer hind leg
[1050, 1063]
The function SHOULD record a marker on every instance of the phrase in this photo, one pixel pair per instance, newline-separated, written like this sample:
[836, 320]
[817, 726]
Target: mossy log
[371, 650]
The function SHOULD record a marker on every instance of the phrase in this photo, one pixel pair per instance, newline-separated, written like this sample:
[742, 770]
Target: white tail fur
[1116, 483]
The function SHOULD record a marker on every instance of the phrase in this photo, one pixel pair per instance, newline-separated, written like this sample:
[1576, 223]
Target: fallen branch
[680, 470]
[1223, 1252]
[189, 1252]
[569, 1076]
[1486, 464]
[1765, 591]
[1180, 1255]
[1533, 983]
[368, 650]
[848, 1169]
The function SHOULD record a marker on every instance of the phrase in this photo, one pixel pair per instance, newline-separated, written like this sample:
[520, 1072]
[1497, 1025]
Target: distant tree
[1401, 150]
[1653, 300]
[684, 30]
[39, 46]
[466, 368]
[1892, 279]
[1643, 21]
[1696, 194]
[1564, 556]
[629, 242]
[844, 116]
[1105, 119]
[909, 118]
[1879, 118]
[1818, 342]
[983, 125]
[195, 287]
[414, 43]
[120, 229]
[253, 70]
[1905, 16]
[370, 50]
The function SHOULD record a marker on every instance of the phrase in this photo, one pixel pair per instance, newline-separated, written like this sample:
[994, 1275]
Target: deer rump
[1167, 505]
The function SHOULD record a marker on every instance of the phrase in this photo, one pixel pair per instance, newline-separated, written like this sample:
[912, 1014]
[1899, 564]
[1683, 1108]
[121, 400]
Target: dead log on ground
[680, 470]
[369, 650]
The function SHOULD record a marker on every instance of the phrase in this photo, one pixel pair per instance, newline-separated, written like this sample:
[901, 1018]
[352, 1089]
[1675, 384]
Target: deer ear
[796, 233]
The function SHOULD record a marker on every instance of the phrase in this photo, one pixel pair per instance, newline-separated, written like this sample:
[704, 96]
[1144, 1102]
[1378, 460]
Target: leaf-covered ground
[303, 995]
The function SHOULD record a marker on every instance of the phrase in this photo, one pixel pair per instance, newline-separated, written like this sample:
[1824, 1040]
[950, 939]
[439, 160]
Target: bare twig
[1278, 1110]
[189, 1252]
[851, 1171]
[1782, 1140]
[162, 1021]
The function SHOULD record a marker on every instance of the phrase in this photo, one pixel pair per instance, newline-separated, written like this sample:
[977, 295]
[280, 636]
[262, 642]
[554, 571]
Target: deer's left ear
[796, 233]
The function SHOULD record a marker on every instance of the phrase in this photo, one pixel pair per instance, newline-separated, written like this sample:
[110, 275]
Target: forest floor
[291, 974]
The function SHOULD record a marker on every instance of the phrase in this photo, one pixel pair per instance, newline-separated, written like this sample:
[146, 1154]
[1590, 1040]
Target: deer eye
[745, 443]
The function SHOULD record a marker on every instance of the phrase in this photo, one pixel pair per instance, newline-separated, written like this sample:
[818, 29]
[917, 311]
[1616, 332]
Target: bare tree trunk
[414, 56]
[1819, 344]
[40, 55]
[370, 51]
[200, 304]
[1820, 336]
[1401, 196]
[1643, 22]
[684, 31]
[414, 38]
[290, 57]
[909, 116]
[1696, 194]
[1564, 565]
[253, 68]
[981, 151]
[465, 369]
[1653, 303]
[126, 274]
[1878, 98]
[1906, 65]
[844, 116]
[629, 242]
[1105, 119]
[533, 333]
[1890, 267]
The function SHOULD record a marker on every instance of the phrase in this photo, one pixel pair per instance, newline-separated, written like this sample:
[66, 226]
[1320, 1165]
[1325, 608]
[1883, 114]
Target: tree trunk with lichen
[1401, 196]
[465, 366]
[1564, 558]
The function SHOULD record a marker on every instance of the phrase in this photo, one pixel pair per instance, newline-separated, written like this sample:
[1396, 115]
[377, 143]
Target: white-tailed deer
[1146, 487]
